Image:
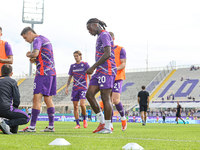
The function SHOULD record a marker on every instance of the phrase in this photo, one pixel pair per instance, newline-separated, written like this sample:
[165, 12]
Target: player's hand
[28, 54]
[90, 71]
[66, 91]
[147, 106]
[32, 60]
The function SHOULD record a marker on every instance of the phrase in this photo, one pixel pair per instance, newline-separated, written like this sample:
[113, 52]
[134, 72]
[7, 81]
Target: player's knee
[116, 101]
[75, 107]
[82, 105]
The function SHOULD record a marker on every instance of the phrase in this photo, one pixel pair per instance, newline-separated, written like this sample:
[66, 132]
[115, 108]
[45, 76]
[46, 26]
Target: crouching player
[9, 102]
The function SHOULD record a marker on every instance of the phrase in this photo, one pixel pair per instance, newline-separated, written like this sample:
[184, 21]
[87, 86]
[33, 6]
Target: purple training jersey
[78, 71]
[108, 67]
[45, 60]
[8, 49]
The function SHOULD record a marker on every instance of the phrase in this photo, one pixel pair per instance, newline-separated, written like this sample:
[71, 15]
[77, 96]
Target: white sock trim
[100, 116]
[108, 124]
[31, 127]
[123, 118]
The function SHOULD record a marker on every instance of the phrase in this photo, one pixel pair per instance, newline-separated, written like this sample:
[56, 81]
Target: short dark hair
[79, 53]
[6, 69]
[1, 28]
[112, 34]
[143, 87]
[25, 30]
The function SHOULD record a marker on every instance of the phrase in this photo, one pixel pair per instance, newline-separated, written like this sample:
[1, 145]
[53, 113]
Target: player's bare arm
[122, 65]
[89, 76]
[148, 100]
[68, 83]
[7, 61]
[33, 54]
[104, 57]
[138, 100]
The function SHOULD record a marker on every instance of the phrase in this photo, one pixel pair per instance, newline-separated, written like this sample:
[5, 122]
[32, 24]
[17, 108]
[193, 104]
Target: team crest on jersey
[74, 66]
[101, 85]
[82, 64]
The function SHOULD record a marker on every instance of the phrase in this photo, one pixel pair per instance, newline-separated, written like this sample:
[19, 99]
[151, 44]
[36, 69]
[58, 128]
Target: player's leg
[116, 92]
[106, 85]
[49, 89]
[16, 117]
[145, 117]
[51, 113]
[75, 99]
[35, 113]
[105, 96]
[120, 109]
[176, 119]
[76, 114]
[177, 116]
[83, 110]
[38, 87]
[145, 114]
[90, 95]
[35, 110]
[142, 113]
[182, 119]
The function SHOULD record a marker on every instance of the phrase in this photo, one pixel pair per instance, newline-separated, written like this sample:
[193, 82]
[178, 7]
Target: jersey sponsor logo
[101, 85]
[76, 70]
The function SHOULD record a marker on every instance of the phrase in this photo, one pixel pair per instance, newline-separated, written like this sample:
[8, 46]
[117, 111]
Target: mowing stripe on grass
[148, 139]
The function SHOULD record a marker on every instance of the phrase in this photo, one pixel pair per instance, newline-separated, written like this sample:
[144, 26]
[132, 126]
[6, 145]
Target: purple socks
[77, 122]
[84, 117]
[51, 112]
[35, 114]
[120, 109]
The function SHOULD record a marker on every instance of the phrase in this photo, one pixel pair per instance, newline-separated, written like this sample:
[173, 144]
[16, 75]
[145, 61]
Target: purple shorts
[104, 81]
[117, 86]
[46, 85]
[78, 94]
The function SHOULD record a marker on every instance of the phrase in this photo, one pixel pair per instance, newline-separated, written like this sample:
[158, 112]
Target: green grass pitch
[152, 136]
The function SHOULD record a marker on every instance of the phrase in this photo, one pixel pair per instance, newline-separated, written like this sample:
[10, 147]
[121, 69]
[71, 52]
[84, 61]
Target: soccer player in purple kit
[120, 60]
[104, 77]
[45, 79]
[78, 72]
[6, 55]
